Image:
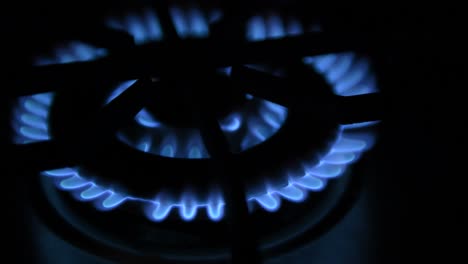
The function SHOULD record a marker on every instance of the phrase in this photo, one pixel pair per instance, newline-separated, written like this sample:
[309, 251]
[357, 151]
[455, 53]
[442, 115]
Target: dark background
[417, 175]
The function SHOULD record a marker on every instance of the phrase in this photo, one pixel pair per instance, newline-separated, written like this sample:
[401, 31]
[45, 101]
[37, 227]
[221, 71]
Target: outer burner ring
[339, 198]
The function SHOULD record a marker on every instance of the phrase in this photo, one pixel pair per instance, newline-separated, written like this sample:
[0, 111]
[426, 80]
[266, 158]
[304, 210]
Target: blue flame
[231, 123]
[146, 119]
[30, 118]
[136, 27]
[291, 192]
[154, 31]
[160, 139]
[179, 21]
[168, 147]
[314, 176]
[275, 27]
[347, 73]
[191, 23]
[256, 29]
[92, 192]
[225, 71]
[31, 115]
[72, 52]
[73, 182]
[188, 206]
[199, 25]
[270, 27]
[113, 200]
[145, 26]
[254, 127]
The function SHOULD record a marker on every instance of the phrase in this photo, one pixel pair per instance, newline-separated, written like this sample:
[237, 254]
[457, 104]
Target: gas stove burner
[246, 127]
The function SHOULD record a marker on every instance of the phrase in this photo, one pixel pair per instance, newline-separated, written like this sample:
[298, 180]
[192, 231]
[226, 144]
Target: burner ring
[55, 211]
